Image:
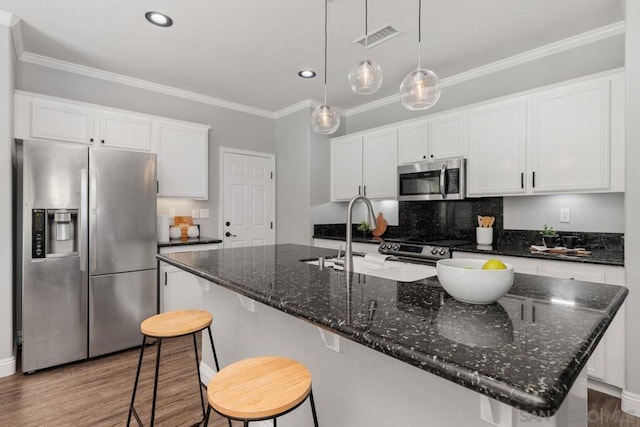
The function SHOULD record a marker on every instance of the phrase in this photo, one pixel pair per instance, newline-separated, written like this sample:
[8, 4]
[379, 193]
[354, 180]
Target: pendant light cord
[325, 50]
[366, 28]
[419, 32]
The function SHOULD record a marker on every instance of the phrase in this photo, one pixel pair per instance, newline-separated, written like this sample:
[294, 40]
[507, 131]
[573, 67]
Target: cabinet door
[571, 138]
[346, 168]
[179, 290]
[446, 136]
[496, 136]
[183, 161]
[124, 131]
[61, 122]
[412, 143]
[379, 164]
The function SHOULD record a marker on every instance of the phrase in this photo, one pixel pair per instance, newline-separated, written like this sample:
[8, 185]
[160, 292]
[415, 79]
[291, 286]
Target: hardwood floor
[97, 393]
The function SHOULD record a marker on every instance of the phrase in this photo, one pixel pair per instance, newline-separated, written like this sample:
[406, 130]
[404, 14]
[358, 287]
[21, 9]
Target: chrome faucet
[348, 254]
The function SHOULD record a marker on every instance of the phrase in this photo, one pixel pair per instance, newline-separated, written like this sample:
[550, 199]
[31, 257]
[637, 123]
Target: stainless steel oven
[436, 180]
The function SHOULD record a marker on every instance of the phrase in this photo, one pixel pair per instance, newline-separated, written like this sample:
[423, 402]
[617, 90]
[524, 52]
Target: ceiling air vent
[378, 36]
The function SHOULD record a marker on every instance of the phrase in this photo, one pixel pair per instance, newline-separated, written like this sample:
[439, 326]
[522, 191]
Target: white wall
[292, 143]
[602, 213]
[228, 128]
[7, 69]
[631, 394]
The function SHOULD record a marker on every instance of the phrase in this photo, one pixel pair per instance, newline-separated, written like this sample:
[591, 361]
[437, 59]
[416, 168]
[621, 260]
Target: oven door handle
[443, 176]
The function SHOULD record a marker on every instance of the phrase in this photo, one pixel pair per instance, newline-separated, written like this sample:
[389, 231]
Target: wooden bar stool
[260, 388]
[171, 325]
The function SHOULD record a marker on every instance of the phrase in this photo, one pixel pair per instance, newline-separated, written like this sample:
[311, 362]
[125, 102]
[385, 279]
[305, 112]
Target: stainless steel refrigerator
[86, 267]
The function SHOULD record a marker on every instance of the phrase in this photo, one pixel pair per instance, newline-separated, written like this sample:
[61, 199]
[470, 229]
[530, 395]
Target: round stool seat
[175, 323]
[259, 388]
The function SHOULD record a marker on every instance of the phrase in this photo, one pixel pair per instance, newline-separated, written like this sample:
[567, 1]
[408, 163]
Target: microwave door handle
[443, 176]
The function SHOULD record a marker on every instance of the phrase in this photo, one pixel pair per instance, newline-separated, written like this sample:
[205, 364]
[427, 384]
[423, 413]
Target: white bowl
[466, 281]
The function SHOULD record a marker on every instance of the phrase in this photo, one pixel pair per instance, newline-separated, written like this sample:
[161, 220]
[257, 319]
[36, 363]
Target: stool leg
[206, 417]
[275, 423]
[313, 409]
[155, 382]
[195, 348]
[135, 384]
[213, 349]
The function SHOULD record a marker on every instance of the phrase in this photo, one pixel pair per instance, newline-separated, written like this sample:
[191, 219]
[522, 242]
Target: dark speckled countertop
[526, 350]
[189, 241]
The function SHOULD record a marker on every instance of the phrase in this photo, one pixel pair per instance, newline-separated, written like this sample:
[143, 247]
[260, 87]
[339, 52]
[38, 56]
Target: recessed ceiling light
[307, 74]
[159, 19]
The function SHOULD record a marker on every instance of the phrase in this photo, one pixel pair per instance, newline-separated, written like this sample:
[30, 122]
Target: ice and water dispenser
[54, 232]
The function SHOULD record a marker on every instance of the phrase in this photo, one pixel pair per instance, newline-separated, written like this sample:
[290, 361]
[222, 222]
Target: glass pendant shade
[365, 77]
[420, 89]
[324, 119]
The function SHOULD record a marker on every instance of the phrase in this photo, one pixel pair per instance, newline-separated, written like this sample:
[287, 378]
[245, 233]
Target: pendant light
[324, 119]
[420, 89]
[365, 77]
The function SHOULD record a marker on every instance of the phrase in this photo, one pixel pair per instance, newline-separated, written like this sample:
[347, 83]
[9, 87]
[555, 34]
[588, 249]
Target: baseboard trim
[605, 388]
[630, 403]
[207, 373]
[7, 367]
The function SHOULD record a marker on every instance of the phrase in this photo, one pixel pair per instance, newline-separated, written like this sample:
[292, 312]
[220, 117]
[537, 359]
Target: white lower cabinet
[180, 290]
[607, 363]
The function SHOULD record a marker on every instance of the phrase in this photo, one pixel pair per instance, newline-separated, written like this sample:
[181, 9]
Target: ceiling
[249, 51]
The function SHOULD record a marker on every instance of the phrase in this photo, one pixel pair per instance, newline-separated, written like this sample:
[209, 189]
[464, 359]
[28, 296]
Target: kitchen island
[433, 355]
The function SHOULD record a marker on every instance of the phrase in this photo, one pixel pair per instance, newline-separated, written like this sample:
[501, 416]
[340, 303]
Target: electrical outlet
[172, 212]
[204, 213]
[565, 215]
[195, 213]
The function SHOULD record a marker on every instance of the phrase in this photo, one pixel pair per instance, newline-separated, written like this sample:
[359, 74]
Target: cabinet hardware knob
[227, 223]
[102, 141]
[424, 157]
[431, 156]
[90, 139]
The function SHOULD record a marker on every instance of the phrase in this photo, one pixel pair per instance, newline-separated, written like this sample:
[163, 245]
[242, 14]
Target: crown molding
[70, 67]
[8, 19]
[307, 103]
[512, 61]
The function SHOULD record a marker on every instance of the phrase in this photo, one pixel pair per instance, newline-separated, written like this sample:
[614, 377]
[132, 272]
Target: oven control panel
[414, 250]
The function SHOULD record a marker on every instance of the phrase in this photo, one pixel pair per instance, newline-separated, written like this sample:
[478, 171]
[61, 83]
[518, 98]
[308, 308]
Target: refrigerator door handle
[93, 220]
[84, 205]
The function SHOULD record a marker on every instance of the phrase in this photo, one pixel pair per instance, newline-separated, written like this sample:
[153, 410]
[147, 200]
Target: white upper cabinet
[365, 164]
[379, 164]
[182, 147]
[412, 142]
[437, 138]
[346, 168]
[446, 136]
[59, 122]
[183, 160]
[126, 131]
[570, 138]
[496, 138]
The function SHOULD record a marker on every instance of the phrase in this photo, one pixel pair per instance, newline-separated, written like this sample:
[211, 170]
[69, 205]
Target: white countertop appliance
[86, 235]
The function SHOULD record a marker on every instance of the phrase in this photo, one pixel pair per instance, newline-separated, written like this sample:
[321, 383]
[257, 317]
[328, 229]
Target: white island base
[355, 386]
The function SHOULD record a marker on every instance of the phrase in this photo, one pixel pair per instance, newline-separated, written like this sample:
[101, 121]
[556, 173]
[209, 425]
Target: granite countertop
[526, 350]
[189, 241]
[597, 256]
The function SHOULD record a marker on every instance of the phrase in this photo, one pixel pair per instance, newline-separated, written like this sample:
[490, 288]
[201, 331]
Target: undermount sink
[393, 270]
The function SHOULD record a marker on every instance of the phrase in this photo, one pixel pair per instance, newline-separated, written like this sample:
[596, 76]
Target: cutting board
[560, 251]
[382, 225]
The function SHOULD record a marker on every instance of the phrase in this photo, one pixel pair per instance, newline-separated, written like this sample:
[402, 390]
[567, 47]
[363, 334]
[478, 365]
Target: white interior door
[248, 199]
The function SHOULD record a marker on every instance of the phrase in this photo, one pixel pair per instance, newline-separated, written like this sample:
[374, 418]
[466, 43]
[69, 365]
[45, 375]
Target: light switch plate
[565, 215]
[195, 213]
[172, 212]
[204, 213]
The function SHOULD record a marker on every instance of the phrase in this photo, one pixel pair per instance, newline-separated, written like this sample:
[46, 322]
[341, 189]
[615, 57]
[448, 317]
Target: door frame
[228, 150]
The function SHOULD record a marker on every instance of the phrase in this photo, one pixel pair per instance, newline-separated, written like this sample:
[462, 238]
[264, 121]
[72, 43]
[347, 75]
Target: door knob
[229, 234]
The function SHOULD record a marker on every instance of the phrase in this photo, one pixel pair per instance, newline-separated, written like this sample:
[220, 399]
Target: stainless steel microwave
[435, 180]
